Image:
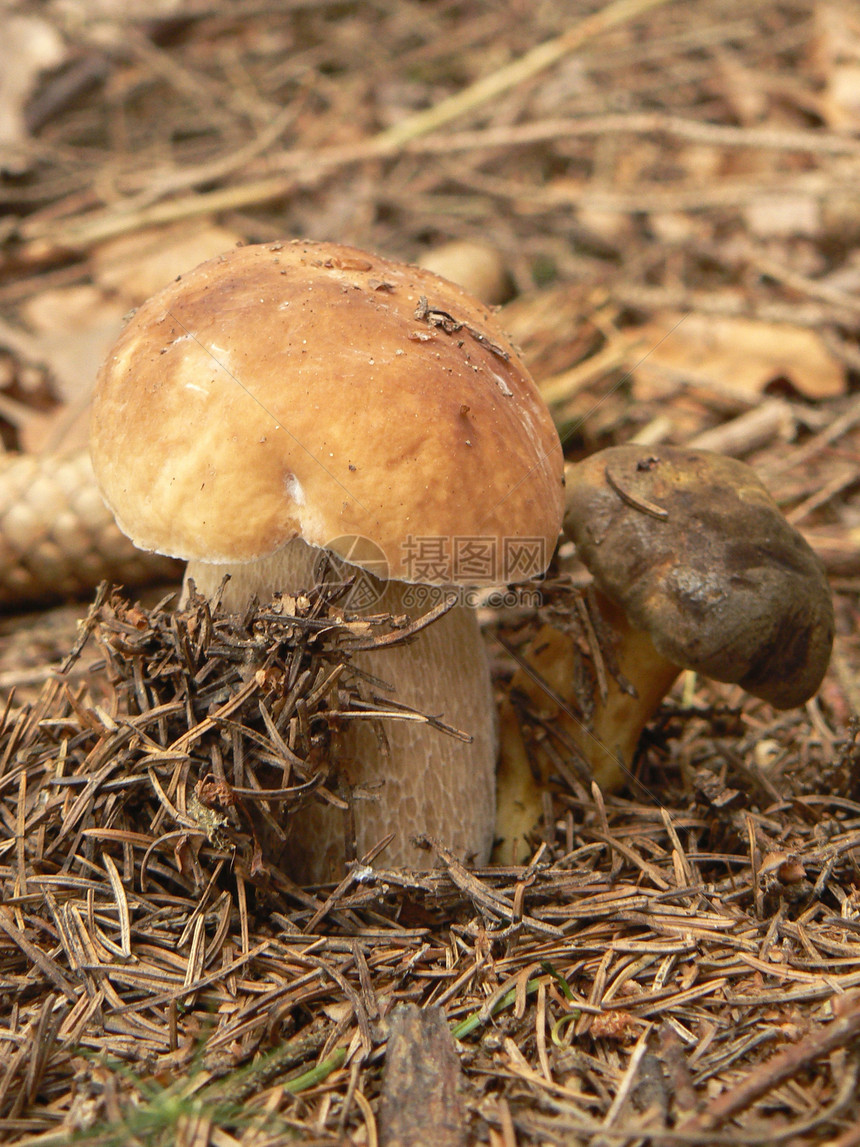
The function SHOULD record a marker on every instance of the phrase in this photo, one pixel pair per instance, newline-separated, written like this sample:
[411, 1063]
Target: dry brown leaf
[73, 328]
[28, 46]
[140, 264]
[773, 215]
[836, 59]
[742, 355]
[741, 86]
[88, 13]
[844, 91]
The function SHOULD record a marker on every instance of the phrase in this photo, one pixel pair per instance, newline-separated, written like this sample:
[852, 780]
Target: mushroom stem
[426, 782]
[597, 729]
[620, 716]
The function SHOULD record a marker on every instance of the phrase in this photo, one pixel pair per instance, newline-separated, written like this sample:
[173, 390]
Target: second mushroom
[693, 566]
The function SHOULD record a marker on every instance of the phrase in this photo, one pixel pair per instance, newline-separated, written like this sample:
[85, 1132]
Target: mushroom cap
[694, 549]
[312, 390]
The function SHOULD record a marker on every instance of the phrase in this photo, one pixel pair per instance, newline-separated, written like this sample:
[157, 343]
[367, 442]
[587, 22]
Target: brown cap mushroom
[289, 397]
[311, 390]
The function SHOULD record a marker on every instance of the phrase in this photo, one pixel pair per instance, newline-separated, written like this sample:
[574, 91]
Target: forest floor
[673, 189]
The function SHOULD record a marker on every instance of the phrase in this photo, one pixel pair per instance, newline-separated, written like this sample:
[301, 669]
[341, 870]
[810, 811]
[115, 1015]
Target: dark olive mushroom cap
[694, 549]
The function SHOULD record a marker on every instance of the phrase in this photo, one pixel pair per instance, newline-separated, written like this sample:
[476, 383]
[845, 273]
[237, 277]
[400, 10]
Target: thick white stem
[428, 782]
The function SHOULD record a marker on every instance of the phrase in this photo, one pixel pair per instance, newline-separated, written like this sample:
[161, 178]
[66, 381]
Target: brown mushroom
[694, 567]
[290, 398]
